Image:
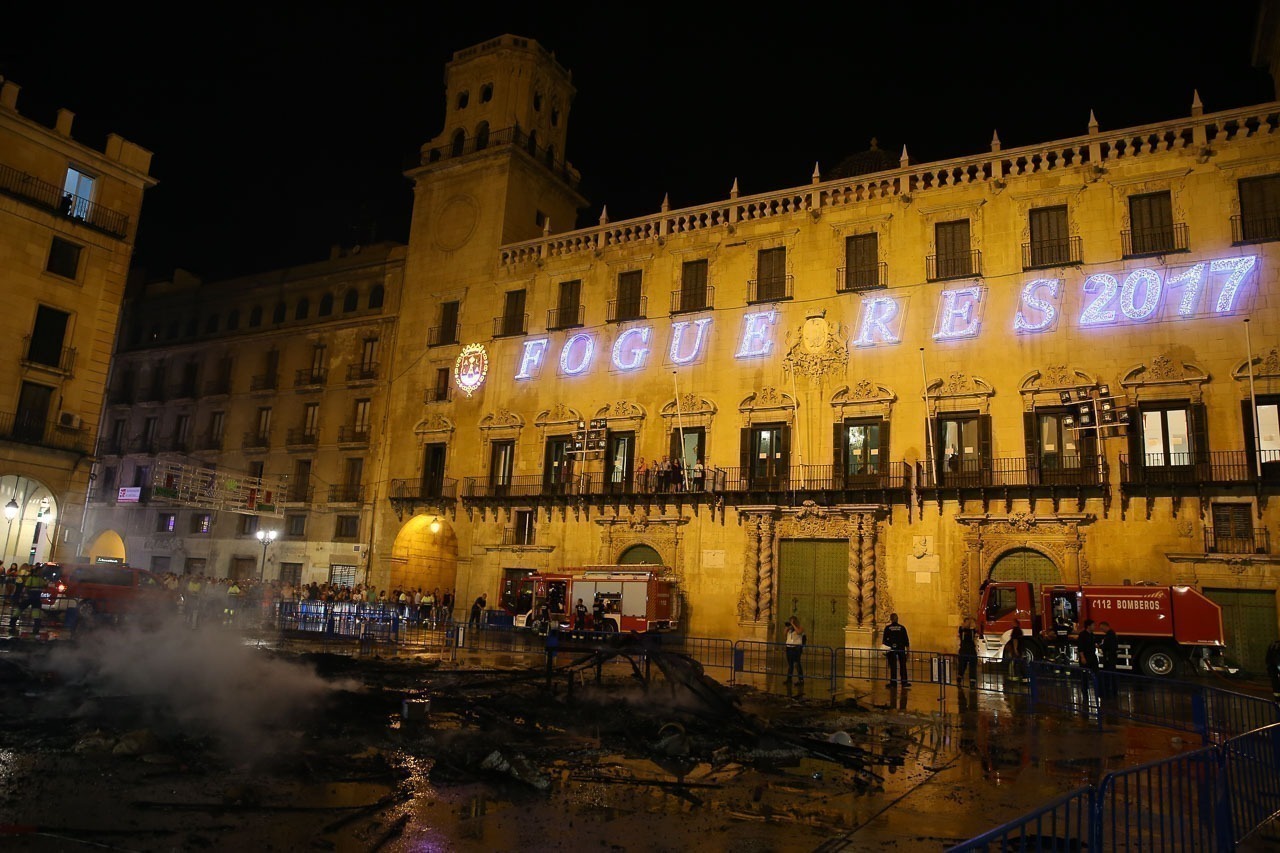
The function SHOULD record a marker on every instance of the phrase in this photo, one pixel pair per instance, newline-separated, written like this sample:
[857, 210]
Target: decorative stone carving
[864, 399]
[1041, 387]
[662, 533]
[819, 350]
[960, 390]
[749, 599]
[433, 428]
[767, 404]
[1166, 376]
[621, 410]
[1058, 537]
[691, 411]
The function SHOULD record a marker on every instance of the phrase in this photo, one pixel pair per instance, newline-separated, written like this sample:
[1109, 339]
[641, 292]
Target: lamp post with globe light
[266, 537]
[10, 513]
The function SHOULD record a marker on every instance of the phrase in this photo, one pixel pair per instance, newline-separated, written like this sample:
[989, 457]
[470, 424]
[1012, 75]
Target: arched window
[279, 313]
[351, 301]
[486, 93]
[459, 142]
[537, 102]
[255, 316]
[375, 296]
[533, 142]
[211, 324]
[482, 136]
[303, 308]
[233, 320]
[463, 98]
[326, 305]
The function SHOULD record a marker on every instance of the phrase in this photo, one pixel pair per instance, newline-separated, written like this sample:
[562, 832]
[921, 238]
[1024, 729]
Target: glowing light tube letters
[1035, 314]
[960, 315]
[877, 314]
[689, 354]
[575, 355]
[756, 339]
[630, 353]
[531, 358]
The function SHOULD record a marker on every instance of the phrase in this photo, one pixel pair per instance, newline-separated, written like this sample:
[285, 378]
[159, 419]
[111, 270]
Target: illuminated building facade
[68, 218]
[1029, 363]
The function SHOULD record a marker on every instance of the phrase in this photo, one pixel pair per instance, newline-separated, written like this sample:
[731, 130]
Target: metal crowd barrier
[1252, 772]
[753, 657]
[1063, 824]
[1170, 804]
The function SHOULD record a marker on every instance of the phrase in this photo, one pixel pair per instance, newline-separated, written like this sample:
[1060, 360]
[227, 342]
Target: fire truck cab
[632, 598]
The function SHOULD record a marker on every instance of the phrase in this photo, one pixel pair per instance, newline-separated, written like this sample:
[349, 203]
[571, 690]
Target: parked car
[95, 590]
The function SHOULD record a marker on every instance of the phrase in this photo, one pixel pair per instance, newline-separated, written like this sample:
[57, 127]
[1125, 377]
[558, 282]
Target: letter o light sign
[470, 369]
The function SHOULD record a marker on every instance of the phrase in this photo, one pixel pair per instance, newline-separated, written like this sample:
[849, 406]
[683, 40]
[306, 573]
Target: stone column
[749, 598]
[766, 610]
[859, 632]
[970, 568]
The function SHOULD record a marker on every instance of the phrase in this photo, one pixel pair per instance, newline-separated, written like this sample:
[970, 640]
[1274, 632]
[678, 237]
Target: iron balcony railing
[266, 382]
[621, 310]
[40, 354]
[217, 388]
[510, 325]
[353, 434]
[256, 440]
[437, 395]
[345, 493]
[298, 494]
[209, 441]
[302, 437]
[519, 535]
[775, 289]
[686, 300]
[566, 317]
[1249, 541]
[54, 199]
[514, 136]
[310, 376]
[364, 372]
[1047, 470]
[439, 336]
[860, 279]
[26, 428]
[1143, 242]
[812, 478]
[1254, 229]
[419, 490]
[1039, 254]
[1219, 466]
[943, 267]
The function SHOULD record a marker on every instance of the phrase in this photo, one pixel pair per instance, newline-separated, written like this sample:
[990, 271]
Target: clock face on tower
[470, 369]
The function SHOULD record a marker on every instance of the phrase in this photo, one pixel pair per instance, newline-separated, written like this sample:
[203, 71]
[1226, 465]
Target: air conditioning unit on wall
[69, 420]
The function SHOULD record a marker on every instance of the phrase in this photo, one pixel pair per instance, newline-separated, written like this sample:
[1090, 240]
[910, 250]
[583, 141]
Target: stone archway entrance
[29, 535]
[640, 555]
[108, 544]
[1025, 564]
[425, 555]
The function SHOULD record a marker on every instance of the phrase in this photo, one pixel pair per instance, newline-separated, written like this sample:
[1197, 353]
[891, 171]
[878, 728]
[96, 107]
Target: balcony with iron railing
[365, 371]
[440, 336]
[862, 279]
[25, 428]
[892, 477]
[153, 394]
[1219, 467]
[424, 491]
[217, 387]
[1041, 254]
[351, 434]
[265, 382]
[53, 199]
[945, 267]
[437, 395]
[346, 493]
[515, 536]
[256, 440]
[54, 359]
[775, 289]
[1145, 242]
[622, 310]
[172, 444]
[1254, 228]
[183, 391]
[688, 300]
[510, 325]
[148, 445]
[302, 438]
[566, 317]
[1255, 540]
[1012, 471]
[298, 493]
[311, 377]
[208, 441]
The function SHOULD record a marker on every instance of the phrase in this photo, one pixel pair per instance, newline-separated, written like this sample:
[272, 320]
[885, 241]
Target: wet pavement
[500, 762]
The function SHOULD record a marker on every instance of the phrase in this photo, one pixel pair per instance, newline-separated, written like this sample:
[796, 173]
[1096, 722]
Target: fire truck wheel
[610, 627]
[1158, 662]
[86, 613]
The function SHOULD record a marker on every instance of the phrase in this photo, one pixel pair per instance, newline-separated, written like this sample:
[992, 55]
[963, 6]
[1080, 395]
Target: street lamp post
[10, 513]
[266, 537]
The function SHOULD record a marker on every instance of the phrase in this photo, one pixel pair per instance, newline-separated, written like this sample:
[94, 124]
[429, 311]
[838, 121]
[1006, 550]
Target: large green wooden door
[1249, 623]
[813, 584]
[1026, 564]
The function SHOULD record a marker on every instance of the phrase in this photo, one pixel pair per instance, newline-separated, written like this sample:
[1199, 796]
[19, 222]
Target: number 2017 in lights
[1140, 295]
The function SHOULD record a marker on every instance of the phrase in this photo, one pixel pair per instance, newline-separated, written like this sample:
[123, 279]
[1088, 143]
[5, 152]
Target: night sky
[277, 134]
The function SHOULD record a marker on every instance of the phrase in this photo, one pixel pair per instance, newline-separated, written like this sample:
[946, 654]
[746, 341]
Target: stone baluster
[1095, 148]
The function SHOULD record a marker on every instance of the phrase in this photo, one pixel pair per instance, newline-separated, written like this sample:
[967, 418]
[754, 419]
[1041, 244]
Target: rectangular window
[201, 524]
[217, 423]
[189, 374]
[353, 473]
[630, 290]
[1050, 237]
[165, 522]
[48, 335]
[247, 526]
[862, 263]
[291, 573]
[771, 275]
[954, 258]
[342, 575]
[567, 311]
[1166, 438]
[441, 390]
[513, 320]
[1233, 531]
[433, 461]
[502, 459]
[619, 462]
[557, 466]
[64, 258]
[264, 422]
[693, 286]
[181, 426]
[448, 323]
[79, 187]
[311, 419]
[34, 401]
[962, 444]
[160, 563]
[369, 355]
[194, 565]
[295, 526]
[1152, 230]
[523, 527]
[766, 455]
[360, 417]
[1268, 442]
[1259, 209]
[346, 527]
[300, 483]
[862, 449]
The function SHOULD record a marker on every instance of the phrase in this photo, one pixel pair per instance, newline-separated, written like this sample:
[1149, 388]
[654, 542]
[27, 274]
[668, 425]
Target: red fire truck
[635, 598]
[1159, 627]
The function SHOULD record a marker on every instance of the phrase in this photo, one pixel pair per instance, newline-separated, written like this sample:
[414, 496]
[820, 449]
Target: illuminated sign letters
[1038, 306]
[960, 315]
[531, 358]
[575, 355]
[756, 340]
[631, 348]
[681, 354]
[1140, 296]
[880, 322]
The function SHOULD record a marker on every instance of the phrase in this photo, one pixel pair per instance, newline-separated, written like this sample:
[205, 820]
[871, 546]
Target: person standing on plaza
[1014, 648]
[580, 616]
[477, 608]
[968, 652]
[1110, 654]
[446, 606]
[899, 644]
[1087, 651]
[795, 651]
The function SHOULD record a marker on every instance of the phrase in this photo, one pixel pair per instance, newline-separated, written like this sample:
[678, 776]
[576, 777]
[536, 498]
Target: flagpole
[1253, 403]
[928, 422]
[684, 460]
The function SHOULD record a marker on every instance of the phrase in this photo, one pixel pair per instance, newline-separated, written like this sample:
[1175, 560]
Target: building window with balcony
[502, 463]
[862, 451]
[512, 321]
[766, 456]
[630, 295]
[447, 332]
[1233, 531]
[523, 528]
[48, 334]
[107, 491]
[34, 401]
[861, 264]
[166, 522]
[954, 256]
[962, 449]
[770, 284]
[360, 418]
[346, 527]
[568, 311]
[689, 445]
[433, 462]
[1152, 229]
[295, 526]
[1171, 438]
[311, 420]
[79, 186]
[1262, 437]
[201, 524]
[369, 357]
[439, 390]
[1259, 219]
[264, 423]
[217, 423]
[300, 483]
[1058, 452]
[557, 465]
[1051, 243]
[64, 259]
[695, 292]
[247, 526]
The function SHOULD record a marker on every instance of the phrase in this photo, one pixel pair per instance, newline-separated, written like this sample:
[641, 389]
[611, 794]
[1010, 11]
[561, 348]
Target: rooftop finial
[733, 191]
[546, 226]
[1093, 123]
[875, 144]
[817, 174]
[1197, 108]
[995, 141]
[604, 214]
[904, 160]
[666, 202]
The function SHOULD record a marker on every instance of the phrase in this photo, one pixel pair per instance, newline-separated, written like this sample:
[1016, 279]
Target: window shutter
[938, 471]
[984, 445]
[1199, 434]
[784, 461]
[1031, 440]
[1250, 439]
[744, 458]
[839, 467]
[883, 464]
[676, 448]
[1136, 458]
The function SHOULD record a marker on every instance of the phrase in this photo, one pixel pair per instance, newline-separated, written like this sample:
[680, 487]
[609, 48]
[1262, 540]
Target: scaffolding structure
[209, 488]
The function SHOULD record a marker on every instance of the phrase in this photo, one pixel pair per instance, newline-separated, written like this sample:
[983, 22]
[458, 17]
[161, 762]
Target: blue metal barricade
[1061, 825]
[752, 657]
[1177, 803]
[1251, 763]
